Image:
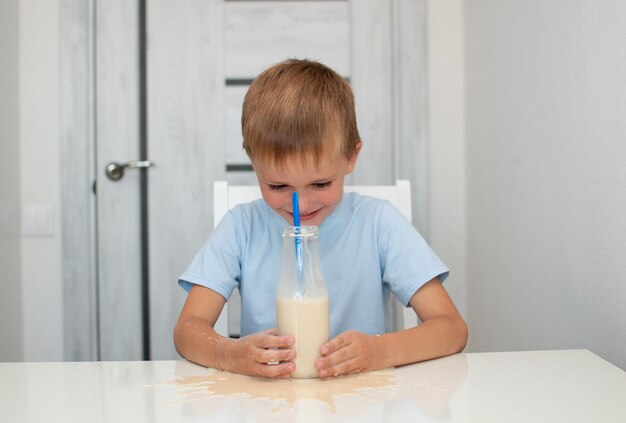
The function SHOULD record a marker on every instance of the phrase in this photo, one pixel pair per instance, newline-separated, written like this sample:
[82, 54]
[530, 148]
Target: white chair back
[225, 197]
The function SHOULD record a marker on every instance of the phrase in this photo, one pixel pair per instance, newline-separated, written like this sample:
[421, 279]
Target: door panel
[185, 132]
[372, 79]
[235, 153]
[261, 33]
[117, 140]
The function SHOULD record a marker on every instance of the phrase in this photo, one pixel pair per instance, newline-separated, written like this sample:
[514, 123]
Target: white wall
[42, 305]
[447, 142]
[10, 273]
[546, 159]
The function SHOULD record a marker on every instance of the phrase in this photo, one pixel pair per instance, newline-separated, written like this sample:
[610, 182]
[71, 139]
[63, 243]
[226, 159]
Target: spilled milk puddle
[424, 388]
[285, 393]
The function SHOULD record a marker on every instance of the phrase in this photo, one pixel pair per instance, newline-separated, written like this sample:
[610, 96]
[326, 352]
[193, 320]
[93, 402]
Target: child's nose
[305, 203]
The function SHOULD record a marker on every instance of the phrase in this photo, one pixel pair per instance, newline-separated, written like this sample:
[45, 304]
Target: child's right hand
[263, 354]
[196, 340]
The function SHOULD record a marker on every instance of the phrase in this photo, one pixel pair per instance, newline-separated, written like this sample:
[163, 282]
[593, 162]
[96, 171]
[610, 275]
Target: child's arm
[442, 332]
[196, 340]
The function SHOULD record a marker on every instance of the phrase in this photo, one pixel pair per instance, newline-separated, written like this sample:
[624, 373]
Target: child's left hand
[348, 353]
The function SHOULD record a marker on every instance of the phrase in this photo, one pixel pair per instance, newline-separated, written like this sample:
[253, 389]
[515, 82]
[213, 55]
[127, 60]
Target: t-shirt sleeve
[407, 260]
[217, 265]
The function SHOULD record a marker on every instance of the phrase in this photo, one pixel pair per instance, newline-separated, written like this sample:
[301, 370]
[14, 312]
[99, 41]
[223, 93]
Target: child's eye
[322, 185]
[277, 187]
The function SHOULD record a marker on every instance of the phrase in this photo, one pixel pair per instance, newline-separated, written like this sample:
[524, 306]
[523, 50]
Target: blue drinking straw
[298, 241]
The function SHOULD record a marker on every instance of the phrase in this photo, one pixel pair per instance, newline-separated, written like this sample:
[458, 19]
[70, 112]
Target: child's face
[319, 187]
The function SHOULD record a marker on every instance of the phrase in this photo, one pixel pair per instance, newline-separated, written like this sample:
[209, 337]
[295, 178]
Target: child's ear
[352, 161]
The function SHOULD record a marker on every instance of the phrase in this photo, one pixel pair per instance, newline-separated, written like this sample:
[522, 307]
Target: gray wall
[10, 275]
[446, 143]
[546, 182]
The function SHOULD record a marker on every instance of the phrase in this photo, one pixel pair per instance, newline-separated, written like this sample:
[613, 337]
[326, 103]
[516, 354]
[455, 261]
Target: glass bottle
[302, 299]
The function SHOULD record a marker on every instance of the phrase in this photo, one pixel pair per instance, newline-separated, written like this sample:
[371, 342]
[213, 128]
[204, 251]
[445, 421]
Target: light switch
[38, 221]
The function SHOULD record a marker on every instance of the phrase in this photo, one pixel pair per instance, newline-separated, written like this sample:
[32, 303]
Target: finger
[332, 359]
[264, 356]
[336, 343]
[275, 371]
[264, 340]
[345, 367]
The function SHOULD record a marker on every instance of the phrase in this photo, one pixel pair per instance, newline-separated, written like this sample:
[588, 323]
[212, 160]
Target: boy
[300, 132]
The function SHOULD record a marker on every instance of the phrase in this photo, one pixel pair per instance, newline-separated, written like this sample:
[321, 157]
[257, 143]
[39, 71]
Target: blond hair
[299, 109]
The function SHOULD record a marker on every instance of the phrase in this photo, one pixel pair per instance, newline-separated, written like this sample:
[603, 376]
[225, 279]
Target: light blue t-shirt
[365, 245]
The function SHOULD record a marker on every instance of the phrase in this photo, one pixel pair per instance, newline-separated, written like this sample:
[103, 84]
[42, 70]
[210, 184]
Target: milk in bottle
[302, 299]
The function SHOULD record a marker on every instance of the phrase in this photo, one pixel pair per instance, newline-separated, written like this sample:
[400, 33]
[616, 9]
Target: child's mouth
[308, 216]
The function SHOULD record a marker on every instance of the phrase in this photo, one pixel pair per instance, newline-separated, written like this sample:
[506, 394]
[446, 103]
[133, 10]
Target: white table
[539, 386]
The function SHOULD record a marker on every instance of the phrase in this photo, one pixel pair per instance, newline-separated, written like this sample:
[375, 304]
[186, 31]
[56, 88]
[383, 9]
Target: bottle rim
[300, 232]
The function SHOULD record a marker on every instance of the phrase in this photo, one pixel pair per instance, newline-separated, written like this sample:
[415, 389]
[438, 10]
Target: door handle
[115, 171]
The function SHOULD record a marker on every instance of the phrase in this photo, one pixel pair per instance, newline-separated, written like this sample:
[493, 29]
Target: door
[170, 80]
